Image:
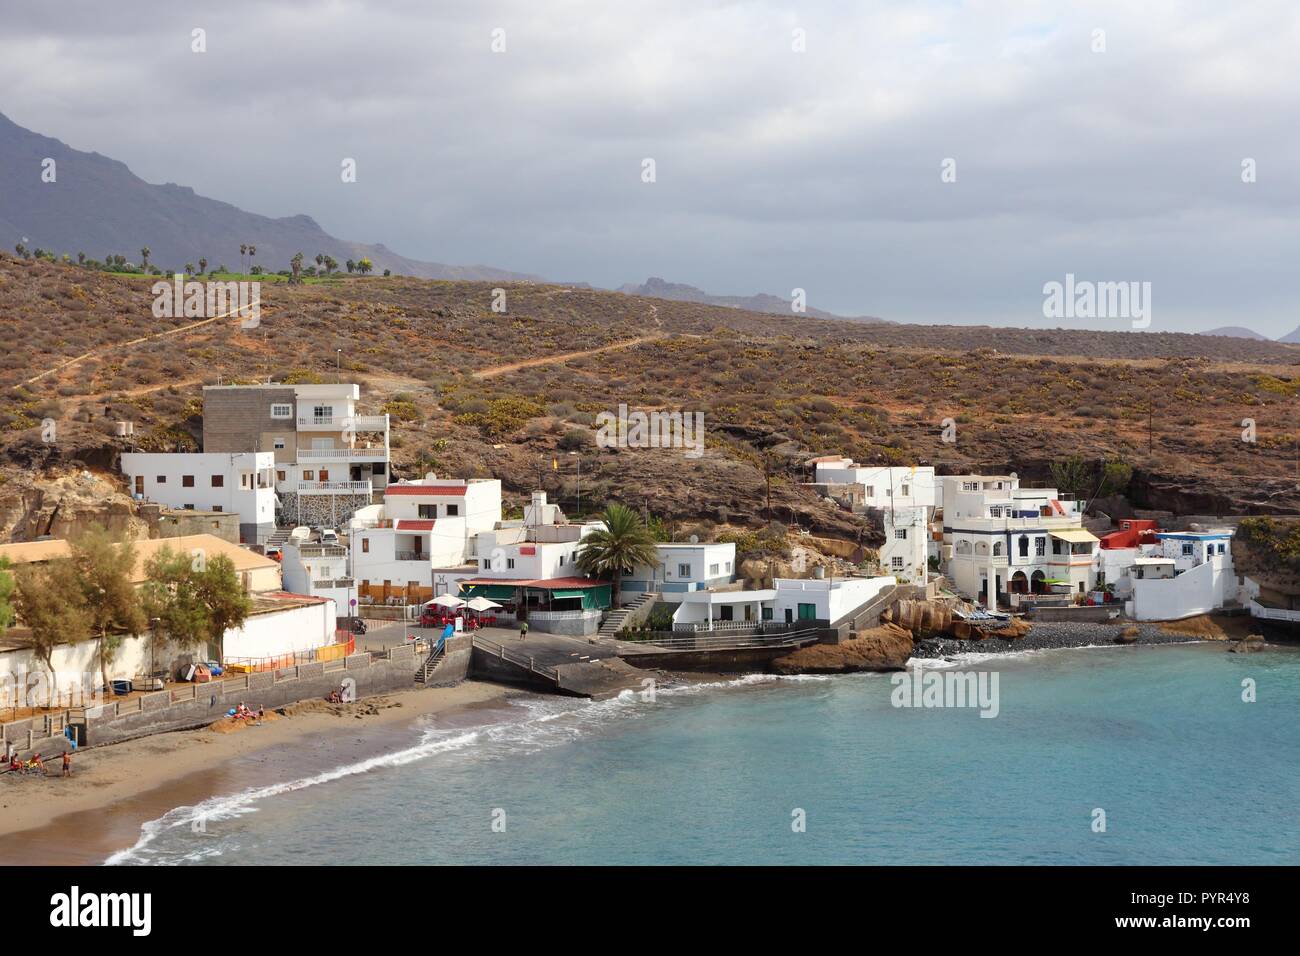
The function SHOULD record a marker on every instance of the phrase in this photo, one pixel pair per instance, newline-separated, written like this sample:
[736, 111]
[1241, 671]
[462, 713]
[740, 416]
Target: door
[139, 484]
[807, 612]
[789, 616]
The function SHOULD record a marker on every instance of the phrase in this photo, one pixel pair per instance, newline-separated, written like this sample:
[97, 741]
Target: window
[139, 484]
[277, 443]
[905, 490]
[453, 511]
[1187, 550]
[900, 534]
[216, 507]
[714, 570]
[1024, 546]
[487, 564]
[683, 570]
[1221, 547]
[870, 491]
[427, 511]
[807, 612]
[896, 563]
[767, 614]
[161, 479]
[281, 411]
[187, 481]
[997, 549]
[365, 545]
[322, 414]
[510, 564]
[728, 567]
[1040, 547]
[279, 476]
[308, 475]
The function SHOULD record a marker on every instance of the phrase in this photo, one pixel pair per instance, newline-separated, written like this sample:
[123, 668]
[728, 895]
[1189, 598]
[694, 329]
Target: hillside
[478, 393]
[657, 288]
[99, 207]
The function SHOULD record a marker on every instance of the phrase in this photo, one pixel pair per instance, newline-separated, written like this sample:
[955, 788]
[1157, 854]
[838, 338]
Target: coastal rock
[884, 648]
[1248, 645]
[1127, 635]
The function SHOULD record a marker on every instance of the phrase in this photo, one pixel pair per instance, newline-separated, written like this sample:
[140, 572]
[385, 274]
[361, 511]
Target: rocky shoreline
[1047, 635]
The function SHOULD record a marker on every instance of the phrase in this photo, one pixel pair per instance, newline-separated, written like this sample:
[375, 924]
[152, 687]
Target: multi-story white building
[1025, 539]
[906, 551]
[433, 523]
[330, 457]
[1185, 573]
[238, 482]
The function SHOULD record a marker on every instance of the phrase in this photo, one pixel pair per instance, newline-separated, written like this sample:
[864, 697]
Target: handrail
[514, 657]
[701, 641]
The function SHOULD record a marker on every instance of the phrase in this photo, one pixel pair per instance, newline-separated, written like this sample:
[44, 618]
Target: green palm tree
[624, 542]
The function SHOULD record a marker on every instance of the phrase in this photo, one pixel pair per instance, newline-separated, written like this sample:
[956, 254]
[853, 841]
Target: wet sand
[99, 810]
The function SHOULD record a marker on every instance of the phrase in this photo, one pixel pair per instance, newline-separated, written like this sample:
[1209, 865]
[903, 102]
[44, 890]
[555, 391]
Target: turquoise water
[1157, 737]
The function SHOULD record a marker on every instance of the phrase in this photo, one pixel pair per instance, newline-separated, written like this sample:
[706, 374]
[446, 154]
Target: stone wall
[327, 510]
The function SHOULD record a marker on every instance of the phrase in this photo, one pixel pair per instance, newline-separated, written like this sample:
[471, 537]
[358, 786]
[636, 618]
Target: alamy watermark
[179, 299]
[1085, 299]
[638, 429]
[948, 688]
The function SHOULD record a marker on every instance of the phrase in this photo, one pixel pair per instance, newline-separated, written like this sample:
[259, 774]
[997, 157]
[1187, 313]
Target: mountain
[1237, 332]
[99, 207]
[656, 288]
[1292, 336]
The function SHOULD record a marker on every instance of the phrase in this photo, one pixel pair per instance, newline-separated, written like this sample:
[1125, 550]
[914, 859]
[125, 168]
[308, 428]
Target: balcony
[411, 556]
[343, 454]
[356, 423]
[334, 487]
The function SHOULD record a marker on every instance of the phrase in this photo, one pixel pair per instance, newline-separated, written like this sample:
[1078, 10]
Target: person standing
[523, 630]
[67, 764]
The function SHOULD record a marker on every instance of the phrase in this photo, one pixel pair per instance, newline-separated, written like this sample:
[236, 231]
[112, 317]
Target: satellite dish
[1013, 475]
[695, 539]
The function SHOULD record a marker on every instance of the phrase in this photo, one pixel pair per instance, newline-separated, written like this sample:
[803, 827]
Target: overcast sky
[775, 169]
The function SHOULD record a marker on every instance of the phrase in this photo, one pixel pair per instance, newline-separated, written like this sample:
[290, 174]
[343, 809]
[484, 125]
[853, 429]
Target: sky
[923, 161]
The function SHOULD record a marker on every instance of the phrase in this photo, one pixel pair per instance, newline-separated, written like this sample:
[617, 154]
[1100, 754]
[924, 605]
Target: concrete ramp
[602, 678]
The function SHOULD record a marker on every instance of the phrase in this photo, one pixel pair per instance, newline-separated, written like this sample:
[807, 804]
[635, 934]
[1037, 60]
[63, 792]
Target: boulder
[883, 648]
[1248, 645]
[1127, 635]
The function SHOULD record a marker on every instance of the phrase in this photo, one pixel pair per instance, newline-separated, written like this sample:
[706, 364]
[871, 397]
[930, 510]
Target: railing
[334, 583]
[411, 556]
[1271, 613]
[702, 641]
[523, 660]
[731, 626]
[342, 454]
[353, 486]
[326, 652]
[361, 423]
[322, 551]
[573, 615]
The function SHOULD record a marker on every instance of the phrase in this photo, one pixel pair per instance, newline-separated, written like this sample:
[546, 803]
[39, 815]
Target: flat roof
[1074, 535]
[243, 559]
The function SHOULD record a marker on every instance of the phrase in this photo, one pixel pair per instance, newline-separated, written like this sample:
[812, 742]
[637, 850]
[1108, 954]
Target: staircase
[436, 657]
[278, 537]
[613, 622]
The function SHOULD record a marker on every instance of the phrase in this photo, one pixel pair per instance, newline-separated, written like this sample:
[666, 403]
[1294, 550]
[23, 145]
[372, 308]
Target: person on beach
[67, 764]
[523, 630]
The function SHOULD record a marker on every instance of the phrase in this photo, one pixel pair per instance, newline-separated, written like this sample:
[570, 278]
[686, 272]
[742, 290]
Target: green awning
[493, 592]
[567, 594]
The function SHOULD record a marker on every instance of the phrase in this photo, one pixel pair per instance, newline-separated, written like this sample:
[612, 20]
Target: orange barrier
[326, 652]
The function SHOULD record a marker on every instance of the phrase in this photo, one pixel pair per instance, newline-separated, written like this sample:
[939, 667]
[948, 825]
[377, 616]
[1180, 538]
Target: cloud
[775, 169]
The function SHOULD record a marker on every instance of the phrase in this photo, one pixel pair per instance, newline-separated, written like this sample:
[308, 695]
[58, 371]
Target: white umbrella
[482, 604]
[447, 600]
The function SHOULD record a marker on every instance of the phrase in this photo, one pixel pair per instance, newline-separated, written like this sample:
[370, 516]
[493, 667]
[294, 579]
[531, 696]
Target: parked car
[274, 552]
[329, 536]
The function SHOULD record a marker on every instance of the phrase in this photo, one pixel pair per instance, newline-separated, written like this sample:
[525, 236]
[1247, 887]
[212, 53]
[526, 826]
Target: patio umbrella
[447, 600]
[482, 604]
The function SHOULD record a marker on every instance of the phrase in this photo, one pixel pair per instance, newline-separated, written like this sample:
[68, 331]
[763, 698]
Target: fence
[523, 660]
[740, 640]
[327, 652]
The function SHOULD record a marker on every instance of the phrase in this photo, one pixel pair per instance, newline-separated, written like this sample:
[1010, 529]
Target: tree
[1071, 475]
[81, 258]
[252, 251]
[296, 265]
[189, 268]
[6, 596]
[243, 251]
[22, 251]
[320, 259]
[330, 264]
[351, 266]
[203, 266]
[145, 252]
[364, 266]
[105, 567]
[624, 542]
[1115, 478]
[50, 602]
[222, 595]
[171, 600]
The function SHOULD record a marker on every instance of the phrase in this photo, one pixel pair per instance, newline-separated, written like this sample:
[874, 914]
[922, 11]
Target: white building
[319, 570]
[812, 602]
[906, 550]
[681, 567]
[238, 482]
[882, 486]
[1184, 574]
[425, 525]
[1026, 539]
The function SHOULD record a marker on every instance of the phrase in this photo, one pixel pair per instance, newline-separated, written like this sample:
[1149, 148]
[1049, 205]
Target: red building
[1132, 532]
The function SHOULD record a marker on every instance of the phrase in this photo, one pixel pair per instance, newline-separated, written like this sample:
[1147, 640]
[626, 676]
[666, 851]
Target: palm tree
[145, 252]
[252, 251]
[243, 251]
[364, 266]
[624, 543]
[203, 266]
[296, 265]
[351, 264]
[320, 259]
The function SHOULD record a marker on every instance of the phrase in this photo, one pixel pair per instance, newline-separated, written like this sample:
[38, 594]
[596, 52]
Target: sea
[1161, 755]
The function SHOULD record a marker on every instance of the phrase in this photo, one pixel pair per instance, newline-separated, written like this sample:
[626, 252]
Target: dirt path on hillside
[110, 349]
[557, 359]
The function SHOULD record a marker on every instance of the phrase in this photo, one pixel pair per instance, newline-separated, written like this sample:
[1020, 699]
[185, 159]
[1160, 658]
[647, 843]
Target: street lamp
[338, 366]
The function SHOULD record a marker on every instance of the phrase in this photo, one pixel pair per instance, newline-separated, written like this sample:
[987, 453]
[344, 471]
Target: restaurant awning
[1074, 535]
[566, 594]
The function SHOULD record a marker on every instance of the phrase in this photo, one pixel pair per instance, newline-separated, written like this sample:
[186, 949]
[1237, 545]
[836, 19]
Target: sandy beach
[119, 787]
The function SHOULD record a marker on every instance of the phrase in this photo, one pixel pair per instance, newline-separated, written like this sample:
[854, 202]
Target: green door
[807, 612]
